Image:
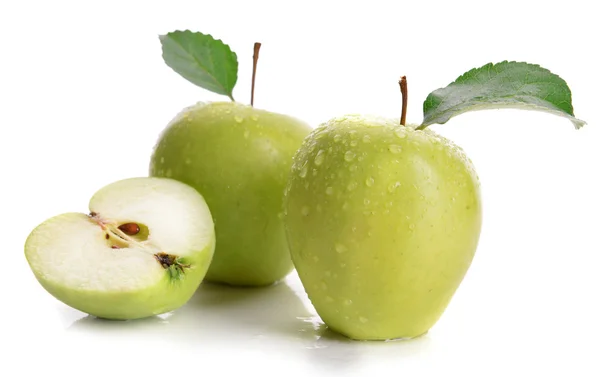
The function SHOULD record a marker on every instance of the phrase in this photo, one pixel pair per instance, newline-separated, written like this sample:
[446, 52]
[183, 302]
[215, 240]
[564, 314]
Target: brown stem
[254, 63]
[404, 91]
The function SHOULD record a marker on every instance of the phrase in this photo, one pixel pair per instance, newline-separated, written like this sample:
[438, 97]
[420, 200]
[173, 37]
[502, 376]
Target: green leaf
[502, 85]
[202, 60]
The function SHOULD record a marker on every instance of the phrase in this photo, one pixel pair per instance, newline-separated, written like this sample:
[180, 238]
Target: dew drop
[353, 168]
[347, 302]
[337, 138]
[238, 119]
[367, 201]
[305, 211]
[316, 258]
[349, 156]
[352, 134]
[345, 206]
[329, 190]
[351, 186]
[400, 132]
[393, 186]
[411, 226]
[319, 157]
[370, 181]
[281, 215]
[328, 299]
[303, 171]
[395, 148]
[363, 319]
[254, 117]
[340, 248]
[366, 139]
[353, 143]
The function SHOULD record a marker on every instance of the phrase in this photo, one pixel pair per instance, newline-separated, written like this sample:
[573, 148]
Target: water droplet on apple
[363, 319]
[337, 138]
[254, 117]
[411, 226]
[188, 161]
[370, 181]
[345, 206]
[329, 190]
[366, 139]
[303, 170]
[347, 302]
[281, 215]
[319, 157]
[316, 258]
[400, 132]
[393, 186]
[238, 119]
[340, 248]
[328, 299]
[323, 286]
[305, 211]
[349, 156]
[353, 168]
[353, 143]
[395, 148]
[367, 201]
[352, 134]
[328, 273]
[351, 186]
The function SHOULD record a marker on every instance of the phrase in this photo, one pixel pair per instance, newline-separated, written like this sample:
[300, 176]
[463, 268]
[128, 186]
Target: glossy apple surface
[383, 222]
[238, 157]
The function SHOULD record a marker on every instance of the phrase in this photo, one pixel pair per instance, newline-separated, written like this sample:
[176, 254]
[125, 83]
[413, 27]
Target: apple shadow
[274, 319]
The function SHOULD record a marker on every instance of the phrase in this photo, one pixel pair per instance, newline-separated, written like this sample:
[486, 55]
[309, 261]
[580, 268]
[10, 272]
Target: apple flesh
[143, 250]
[383, 222]
[239, 158]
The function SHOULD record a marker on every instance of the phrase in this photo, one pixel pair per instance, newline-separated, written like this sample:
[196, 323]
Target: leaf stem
[404, 92]
[254, 63]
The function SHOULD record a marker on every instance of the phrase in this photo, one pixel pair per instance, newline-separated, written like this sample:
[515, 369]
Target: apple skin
[238, 157]
[383, 222]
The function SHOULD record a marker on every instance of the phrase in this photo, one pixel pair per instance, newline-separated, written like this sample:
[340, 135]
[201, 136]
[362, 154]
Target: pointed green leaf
[202, 60]
[502, 85]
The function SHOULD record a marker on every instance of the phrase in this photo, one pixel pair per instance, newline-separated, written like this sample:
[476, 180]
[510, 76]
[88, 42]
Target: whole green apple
[383, 222]
[238, 157]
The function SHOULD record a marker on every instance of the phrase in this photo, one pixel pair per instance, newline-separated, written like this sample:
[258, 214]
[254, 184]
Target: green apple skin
[383, 222]
[238, 157]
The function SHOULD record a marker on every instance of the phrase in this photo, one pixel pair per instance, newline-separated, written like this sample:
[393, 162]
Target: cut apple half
[142, 250]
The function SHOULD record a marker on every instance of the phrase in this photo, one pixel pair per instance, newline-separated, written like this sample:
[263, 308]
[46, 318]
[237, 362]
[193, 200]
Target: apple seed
[131, 229]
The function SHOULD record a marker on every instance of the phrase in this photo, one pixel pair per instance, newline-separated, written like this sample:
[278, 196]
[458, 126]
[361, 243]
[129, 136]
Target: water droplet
[393, 186]
[411, 226]
[347, 302]
[319, 157]
[366, 139]
[323, 286]
[352, 134]
[305, 210]
[188, 161]
[370, 181]
[337, 138]
[345, 206]
[367, 201]
[316, 258]
[328, 273]
[340, 248]
[353, 143]
[329, 190]
[351, 186]
[363, 319]
[238, 119]
[281, 215]
[353, 168]
[395, 148]
[349, 156]
[254, 117]
[246, 134]
[328, 299]
[400, 132]
[303, 170]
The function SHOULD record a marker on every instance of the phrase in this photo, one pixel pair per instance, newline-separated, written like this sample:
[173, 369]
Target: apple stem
[254, 63]
[404, 92]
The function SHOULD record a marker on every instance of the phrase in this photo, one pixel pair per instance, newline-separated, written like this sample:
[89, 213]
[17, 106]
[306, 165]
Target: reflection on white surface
[274, 319]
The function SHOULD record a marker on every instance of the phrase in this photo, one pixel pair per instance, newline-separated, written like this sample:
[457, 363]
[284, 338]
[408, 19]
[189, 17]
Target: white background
[84, 94]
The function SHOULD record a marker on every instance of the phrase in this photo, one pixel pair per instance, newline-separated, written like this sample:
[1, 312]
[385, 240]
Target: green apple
[143, 250]
[239, 158]
[383, 222]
